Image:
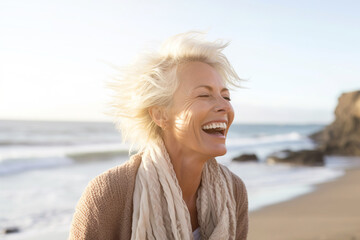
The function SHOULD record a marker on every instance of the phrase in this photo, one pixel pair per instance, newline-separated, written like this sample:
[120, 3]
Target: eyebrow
[210, 88]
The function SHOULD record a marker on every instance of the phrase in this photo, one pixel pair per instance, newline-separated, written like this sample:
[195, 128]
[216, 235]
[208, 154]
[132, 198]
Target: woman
[175, 106]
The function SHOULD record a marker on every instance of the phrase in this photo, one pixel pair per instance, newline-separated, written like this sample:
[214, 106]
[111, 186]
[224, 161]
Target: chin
[218, 152]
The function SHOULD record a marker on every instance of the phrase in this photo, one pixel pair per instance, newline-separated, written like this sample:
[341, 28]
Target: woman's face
[201, 113]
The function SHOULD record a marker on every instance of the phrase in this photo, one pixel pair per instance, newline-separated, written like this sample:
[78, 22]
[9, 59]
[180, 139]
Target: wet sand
[331, 212]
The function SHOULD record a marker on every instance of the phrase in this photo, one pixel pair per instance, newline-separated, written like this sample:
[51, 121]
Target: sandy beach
[331, 212]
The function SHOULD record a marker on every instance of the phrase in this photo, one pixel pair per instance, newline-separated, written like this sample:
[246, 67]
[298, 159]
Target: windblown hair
[152, 80]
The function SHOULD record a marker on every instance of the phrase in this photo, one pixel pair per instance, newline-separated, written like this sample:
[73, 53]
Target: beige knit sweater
[104, 211]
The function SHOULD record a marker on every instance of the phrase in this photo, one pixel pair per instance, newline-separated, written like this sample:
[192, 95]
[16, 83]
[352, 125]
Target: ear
[158, 115]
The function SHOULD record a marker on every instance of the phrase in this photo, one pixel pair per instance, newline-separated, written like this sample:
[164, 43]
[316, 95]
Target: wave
[269, 139]
[19, 159]
[11, 166]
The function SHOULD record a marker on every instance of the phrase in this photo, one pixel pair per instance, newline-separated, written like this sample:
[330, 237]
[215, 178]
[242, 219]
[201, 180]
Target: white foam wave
[19, 165]
[17, 159]
[260, 140]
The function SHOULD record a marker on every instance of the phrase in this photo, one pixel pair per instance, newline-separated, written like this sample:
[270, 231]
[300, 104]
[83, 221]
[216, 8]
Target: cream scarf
[160, 211]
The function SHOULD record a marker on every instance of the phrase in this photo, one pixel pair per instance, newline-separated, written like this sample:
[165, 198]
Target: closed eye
[204, 95]
[227, 98]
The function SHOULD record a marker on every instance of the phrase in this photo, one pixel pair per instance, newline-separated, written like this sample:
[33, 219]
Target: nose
[223, 105]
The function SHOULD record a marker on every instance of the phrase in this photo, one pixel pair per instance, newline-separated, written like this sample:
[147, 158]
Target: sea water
[45, 166]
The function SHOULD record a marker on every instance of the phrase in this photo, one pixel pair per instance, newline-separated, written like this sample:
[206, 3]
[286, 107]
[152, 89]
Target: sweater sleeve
[241, 208]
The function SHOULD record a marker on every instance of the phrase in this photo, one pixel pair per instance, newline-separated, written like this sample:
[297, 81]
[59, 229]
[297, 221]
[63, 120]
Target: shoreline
[330, 212]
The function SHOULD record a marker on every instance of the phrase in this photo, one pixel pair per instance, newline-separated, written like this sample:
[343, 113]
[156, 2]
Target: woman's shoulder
[241, 199]
[238, 184]
[111, 186]
[126, 170]
[105, 207]
[116, 178]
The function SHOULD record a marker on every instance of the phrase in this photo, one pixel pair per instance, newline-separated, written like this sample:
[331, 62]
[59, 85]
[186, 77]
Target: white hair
[152, 80]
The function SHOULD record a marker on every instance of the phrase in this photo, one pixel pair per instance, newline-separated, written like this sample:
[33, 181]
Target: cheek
[187, 125]
[183, 122]
[231, 115]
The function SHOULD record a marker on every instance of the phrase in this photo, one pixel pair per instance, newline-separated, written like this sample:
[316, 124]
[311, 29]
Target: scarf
[161, 213]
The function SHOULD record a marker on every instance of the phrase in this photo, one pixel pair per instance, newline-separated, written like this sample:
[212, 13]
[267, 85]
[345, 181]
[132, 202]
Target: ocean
[45, 166]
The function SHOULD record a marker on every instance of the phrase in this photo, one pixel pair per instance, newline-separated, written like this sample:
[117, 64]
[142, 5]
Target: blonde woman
[174, 104]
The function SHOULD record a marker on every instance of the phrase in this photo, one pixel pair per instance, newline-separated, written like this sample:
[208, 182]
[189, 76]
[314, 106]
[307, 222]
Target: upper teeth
[221, 125]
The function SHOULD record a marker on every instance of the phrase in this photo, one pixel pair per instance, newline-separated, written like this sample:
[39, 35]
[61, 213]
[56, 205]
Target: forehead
[193, 74]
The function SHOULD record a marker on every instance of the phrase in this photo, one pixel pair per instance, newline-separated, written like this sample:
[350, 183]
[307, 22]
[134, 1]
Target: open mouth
[215, 128]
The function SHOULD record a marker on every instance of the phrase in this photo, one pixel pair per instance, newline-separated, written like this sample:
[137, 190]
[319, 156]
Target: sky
[296, 57]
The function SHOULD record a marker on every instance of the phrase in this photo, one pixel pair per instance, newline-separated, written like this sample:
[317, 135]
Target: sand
[331, 212]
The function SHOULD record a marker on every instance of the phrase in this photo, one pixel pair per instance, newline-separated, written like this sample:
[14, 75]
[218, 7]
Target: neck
[188, 168]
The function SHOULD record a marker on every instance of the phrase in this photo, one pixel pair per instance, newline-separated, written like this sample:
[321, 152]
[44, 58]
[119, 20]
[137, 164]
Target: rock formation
[9, 230]
[246, 158]
[303, 157]
[342, 137]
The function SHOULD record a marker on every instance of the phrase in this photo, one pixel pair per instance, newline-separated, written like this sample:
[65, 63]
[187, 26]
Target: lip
[217, 121]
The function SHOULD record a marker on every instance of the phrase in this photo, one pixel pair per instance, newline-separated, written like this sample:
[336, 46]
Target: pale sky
[297, 56]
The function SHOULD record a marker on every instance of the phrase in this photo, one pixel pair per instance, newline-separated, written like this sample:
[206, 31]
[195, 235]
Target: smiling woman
[200, 114]
[175, 105]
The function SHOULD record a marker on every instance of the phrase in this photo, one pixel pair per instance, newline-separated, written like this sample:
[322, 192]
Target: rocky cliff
[342, 137]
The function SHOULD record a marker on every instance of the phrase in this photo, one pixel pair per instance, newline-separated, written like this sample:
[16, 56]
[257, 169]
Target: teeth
[220, 125]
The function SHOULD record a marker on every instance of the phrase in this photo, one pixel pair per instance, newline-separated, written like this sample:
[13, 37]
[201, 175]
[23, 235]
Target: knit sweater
[104, 211]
